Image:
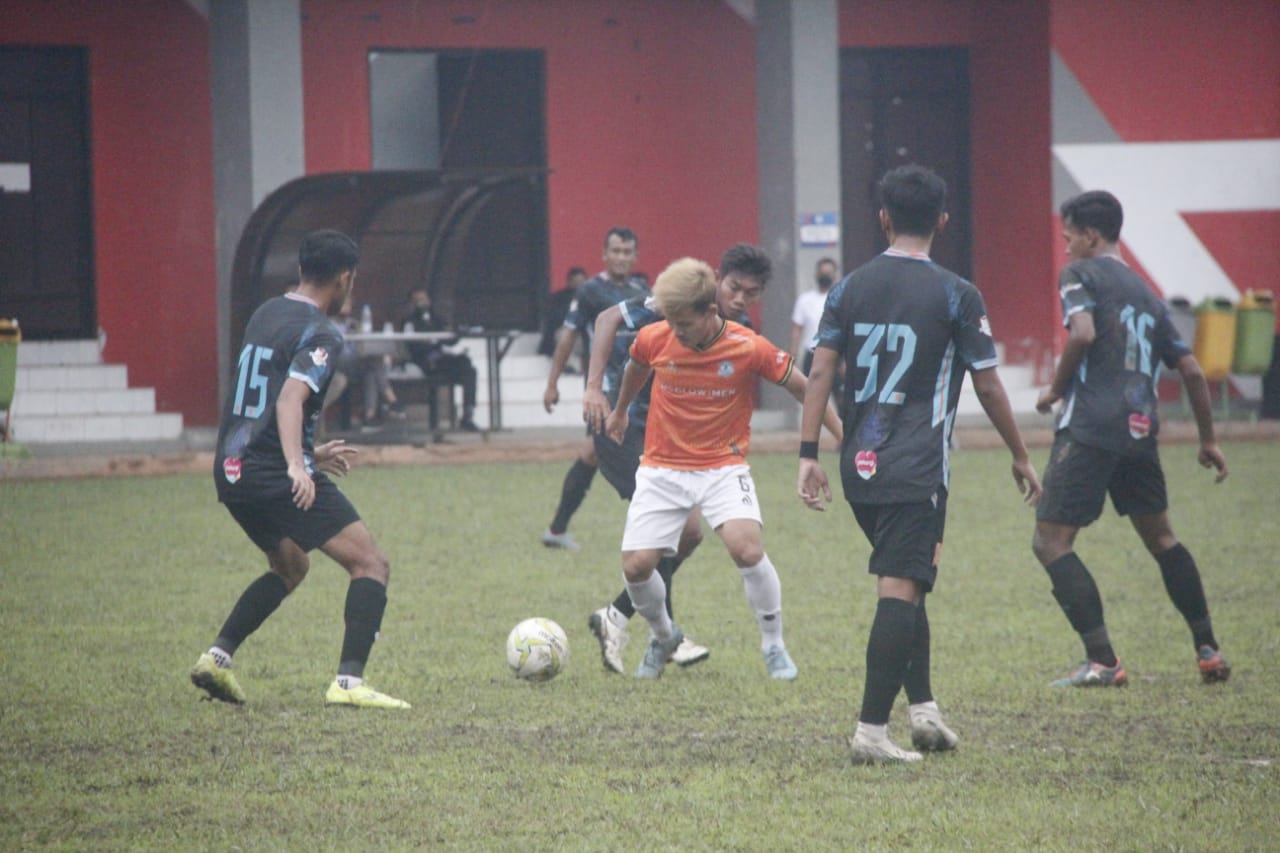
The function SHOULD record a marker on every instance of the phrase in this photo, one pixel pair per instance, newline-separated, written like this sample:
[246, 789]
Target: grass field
[111, 588]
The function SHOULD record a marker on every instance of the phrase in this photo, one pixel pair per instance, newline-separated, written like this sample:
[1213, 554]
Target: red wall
[650, 110]
[151, 147]
[1009, 126]
[1200, 71]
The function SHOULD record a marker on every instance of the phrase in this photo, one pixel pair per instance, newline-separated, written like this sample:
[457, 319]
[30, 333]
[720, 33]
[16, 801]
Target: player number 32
[884, 337]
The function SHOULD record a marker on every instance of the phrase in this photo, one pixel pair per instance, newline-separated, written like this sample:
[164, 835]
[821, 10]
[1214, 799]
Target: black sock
[916, 679]
[258, 601]
[1182, 582]
[576, 483]
[624, 605]
[667, 567]
[366, 601]
[1077, 594]
[888, 651]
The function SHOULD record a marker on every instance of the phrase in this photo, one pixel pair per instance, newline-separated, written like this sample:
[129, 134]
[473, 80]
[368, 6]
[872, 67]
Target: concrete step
[66, 395]
[79, 401]
[61, 429]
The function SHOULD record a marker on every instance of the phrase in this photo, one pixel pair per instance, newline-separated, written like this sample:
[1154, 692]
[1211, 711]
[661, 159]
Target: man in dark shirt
[615, 284]
[271, 476]
[1119, 333]
[433, 359]
[908, 331]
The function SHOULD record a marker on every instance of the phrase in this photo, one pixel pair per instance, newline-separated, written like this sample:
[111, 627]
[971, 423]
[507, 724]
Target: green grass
[111, 588]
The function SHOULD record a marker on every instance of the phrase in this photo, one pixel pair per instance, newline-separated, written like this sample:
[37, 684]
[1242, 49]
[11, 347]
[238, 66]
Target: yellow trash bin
[1215, 341]
[1255, 333]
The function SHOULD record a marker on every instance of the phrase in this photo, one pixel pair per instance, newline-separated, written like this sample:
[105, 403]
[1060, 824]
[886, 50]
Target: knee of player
[1047, 548]
[373, 565]
[747, 555]
[636, 569]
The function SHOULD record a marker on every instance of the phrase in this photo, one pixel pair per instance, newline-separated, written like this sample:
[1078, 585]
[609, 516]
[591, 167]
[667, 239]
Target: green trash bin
[10, 336]
[1215, 337]
[1255, 333]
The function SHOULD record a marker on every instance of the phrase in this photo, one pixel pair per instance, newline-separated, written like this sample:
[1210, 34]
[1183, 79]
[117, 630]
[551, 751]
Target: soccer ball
[537, 649]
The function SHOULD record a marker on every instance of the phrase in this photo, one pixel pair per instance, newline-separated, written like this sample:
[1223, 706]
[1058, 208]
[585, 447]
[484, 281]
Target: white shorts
[664, 497]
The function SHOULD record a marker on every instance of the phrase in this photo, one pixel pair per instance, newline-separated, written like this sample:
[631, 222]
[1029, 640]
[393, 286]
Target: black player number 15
[251, 380]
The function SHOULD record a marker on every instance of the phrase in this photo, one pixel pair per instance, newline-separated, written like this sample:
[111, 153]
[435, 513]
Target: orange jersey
[700, 408]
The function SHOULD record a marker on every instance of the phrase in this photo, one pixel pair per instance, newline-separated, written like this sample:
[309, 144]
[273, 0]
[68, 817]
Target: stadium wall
[151, 150]
[650, 122]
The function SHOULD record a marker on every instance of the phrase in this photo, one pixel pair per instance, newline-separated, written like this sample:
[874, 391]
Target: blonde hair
[687, 286]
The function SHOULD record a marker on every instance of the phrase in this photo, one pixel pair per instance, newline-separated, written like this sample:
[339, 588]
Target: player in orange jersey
[699, 428]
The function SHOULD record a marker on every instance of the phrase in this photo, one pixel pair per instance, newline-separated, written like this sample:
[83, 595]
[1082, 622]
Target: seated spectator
[368, 371]
[435, 361]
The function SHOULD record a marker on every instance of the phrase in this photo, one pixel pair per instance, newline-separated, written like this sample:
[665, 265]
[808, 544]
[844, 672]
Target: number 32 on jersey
[881, 339]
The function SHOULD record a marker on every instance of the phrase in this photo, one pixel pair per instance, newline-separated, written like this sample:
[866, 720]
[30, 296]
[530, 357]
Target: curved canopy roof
[476, 239]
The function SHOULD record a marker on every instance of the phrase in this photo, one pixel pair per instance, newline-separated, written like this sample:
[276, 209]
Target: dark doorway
[46, 226]
[459, 110]
[900, 106]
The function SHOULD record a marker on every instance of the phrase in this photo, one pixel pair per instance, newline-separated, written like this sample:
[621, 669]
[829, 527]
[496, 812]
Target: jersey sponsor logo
[865, 463]
[1139, 425]
[231, 469]
[725, 368]
[319, 357]
[985, 325]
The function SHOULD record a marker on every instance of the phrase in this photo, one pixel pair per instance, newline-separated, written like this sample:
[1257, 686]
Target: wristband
[808, 450]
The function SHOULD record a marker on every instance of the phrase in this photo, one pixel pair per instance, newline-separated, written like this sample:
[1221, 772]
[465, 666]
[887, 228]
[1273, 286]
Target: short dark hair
[914, 198]
[746, 259]
[822, 261]
[623, 233]
[324, 255]
[1094, 209]
[575, 271]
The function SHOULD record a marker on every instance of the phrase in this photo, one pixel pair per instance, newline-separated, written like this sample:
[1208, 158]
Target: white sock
[930, 708]
[875, 734]
[221, 657]
[650, 599]
[764, 594]
[617, 617]
[349, 682]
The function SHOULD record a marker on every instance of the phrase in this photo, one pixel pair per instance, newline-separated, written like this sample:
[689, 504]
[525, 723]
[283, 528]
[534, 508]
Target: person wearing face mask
[808, 311]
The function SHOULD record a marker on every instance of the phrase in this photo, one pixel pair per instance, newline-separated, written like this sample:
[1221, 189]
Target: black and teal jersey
[287, 337]
[907, 330]
[594, 296]
[1111, 402]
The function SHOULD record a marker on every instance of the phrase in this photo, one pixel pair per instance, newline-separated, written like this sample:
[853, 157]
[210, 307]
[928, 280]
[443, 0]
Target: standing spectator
[1118, 334]
[615, 284]
[808, 311]
[907, 330]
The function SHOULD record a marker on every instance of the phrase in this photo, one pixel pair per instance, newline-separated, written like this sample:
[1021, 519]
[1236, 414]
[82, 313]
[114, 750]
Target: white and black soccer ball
[537, 649]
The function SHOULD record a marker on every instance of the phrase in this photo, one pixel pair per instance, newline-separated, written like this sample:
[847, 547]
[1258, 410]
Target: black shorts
[1079, 477]
[275, 517]
[618, 462]
[906, 538]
